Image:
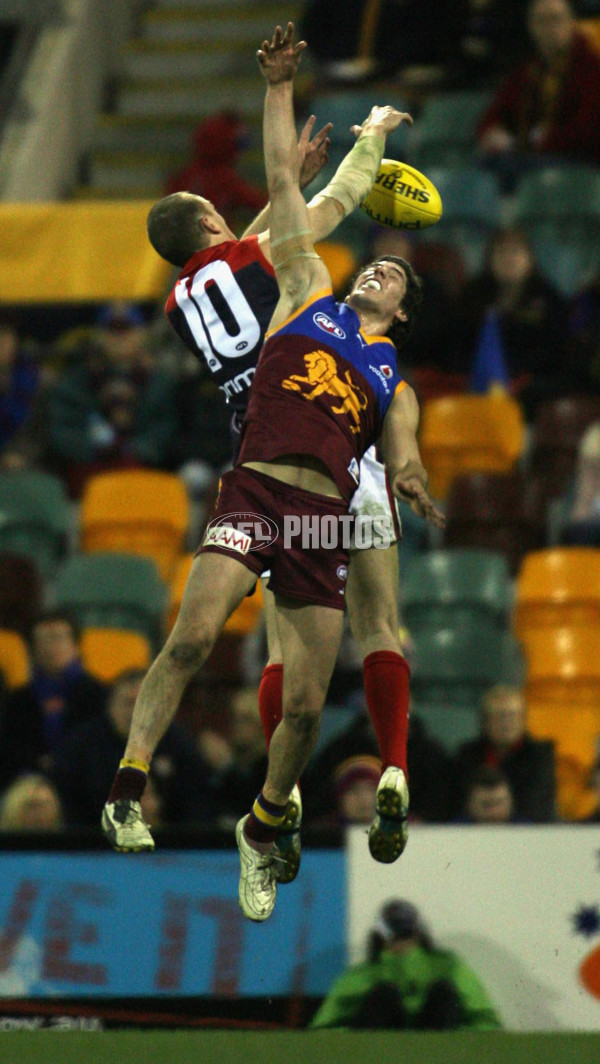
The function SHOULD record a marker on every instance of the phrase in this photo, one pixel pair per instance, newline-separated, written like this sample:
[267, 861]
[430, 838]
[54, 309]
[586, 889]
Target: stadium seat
[112, 590]
[21, 592]
[35, 518]
[340, 261]
[471, 212]
[454, 666]
[563, 667]
[558, 587]
[137, 512]
[574, 729]
[241, 622]
[14, 658]
[466, 433]
[449, 725]
[557, 429]
[448, 588]
[107, 652]
[559, 208]
[501, 512]
[444, 133]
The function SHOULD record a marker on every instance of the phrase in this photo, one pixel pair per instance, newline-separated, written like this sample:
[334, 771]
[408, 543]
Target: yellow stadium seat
[339, 260]
[469, 433]
[563, 666]
[574, 729]
[138, 512]
[575, 799]
[107, 652]
[558, 587]
[14, 658]
[241, 622]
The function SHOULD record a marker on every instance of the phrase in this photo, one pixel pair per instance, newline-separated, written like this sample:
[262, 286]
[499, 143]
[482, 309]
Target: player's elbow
[280, 178]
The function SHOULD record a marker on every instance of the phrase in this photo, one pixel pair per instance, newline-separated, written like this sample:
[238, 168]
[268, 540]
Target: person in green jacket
[407, 982]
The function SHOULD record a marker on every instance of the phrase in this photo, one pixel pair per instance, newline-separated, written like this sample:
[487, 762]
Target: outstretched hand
[383, 119]
[279, 58]
[313, 154]
[409, 487]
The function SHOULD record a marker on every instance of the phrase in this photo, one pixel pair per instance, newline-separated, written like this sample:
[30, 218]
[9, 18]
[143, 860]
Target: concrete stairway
[189, 59]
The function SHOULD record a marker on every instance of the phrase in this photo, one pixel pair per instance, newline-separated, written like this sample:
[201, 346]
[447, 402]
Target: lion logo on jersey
[322, 377]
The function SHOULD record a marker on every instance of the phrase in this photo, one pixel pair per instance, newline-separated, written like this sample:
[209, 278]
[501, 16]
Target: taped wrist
[356, 174]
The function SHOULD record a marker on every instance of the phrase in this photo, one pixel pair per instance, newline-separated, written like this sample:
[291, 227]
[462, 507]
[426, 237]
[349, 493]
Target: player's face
[380, 288]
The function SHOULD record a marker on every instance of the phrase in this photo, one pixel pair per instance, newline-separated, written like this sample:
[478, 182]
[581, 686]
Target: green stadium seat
[450, 587]
[471, 205]
[453, 666]
[445, 129]
[35, 518]
[449, 725]
[112, 590]
[559, 209]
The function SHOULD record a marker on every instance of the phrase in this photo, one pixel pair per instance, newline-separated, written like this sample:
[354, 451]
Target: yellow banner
[67, 252]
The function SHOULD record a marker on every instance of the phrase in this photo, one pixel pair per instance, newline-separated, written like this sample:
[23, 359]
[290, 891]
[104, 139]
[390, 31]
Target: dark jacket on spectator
[529, 767]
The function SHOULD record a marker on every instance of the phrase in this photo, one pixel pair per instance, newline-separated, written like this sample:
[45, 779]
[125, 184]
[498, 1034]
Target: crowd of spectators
[118, 393]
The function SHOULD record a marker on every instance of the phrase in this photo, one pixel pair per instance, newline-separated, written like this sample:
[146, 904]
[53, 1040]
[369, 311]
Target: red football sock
[386, 676]
[270, 698]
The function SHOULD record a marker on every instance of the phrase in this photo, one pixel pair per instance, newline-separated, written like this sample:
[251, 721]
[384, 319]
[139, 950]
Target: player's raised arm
[313, 154]
[356, 174]
[406, 473]
[298, 268]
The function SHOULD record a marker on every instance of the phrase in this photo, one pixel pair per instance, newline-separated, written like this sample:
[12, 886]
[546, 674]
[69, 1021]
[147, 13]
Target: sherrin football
[402, 198]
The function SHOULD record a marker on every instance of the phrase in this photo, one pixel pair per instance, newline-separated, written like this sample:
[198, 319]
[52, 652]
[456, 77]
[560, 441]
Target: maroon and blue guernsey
[221, 307]
[321, 388]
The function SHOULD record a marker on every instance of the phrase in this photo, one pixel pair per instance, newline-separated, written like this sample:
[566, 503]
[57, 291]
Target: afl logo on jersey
[328, 326]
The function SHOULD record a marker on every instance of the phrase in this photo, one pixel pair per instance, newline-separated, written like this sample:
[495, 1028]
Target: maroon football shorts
[253, 521]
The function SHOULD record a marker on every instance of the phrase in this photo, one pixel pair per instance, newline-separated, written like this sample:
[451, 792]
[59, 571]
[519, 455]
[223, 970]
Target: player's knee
[187, 652]
[302, 709]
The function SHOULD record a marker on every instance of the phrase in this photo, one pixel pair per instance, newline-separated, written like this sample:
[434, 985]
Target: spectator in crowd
[584, 340]
[511, 325]
[217, 144]
[488, 798]
[428, 769]
[505, 745]
[355, 784]
[60, 694]
[19, 382]
[111, 408]
[491, 40]
[407, 982]
[548, 108]
[31, 803]
[239, 760]
[91, 755]
[593, 817]
[582, 500]
[357, 40]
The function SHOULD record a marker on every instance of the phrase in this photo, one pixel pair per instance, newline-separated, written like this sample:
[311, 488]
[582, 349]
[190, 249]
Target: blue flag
[489, 366]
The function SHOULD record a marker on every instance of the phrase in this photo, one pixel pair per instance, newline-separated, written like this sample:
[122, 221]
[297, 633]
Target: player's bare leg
[270, 696]
[310, 638]
[372, 599]
[215, 586]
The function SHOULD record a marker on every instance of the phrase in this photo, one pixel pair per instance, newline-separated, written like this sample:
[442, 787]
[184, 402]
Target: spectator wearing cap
[355, 785]
[407, 982]
[112, 408]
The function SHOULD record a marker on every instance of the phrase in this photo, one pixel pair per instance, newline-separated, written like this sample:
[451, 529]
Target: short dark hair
[399, 331]
[173, 227]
